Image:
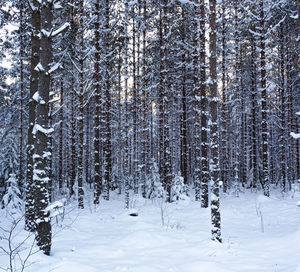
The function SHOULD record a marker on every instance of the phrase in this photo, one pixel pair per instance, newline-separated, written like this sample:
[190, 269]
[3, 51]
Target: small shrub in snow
[179, 190]
[154, 188]
[115, 182]
[12, 198]
[17, 246]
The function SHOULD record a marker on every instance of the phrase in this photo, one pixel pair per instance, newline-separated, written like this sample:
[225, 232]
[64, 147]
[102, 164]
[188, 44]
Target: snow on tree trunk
[205, 175]
[264, 106]
[21, 109]
[223, 149]
[184, 132]
[197, 106]
[126, 125]
[61, 138]
[145, 101]
[35, 48]
[81, 106]
[41, 130]
[107, 106]
[215, 191]
[254, 146]
[97, 98]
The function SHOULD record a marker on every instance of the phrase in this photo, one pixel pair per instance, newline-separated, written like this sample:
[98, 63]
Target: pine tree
[42, 131]
[224, 156]
[126, 105]
[254, 108]
[107, 149]
[12, 200]
[205, 175]
[215, 190]
[35, 58]
[80, 177]
[264, 106]
[154, 188]
[97, 98]
[197, 105]
[22, 92]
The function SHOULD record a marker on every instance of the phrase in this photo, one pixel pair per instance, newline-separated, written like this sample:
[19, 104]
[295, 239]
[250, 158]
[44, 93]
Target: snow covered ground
[259, 234]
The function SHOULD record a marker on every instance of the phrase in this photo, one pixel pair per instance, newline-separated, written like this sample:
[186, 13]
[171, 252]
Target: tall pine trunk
[215, 190]
[126, 113]
[205, 175]
[254, 108]
[61, 138]
[184, 144]
[107, 107]
[97, 98]
[197, 106]
[81, 108]
[22, 49]
[264, 107]
[42, 132]
[34, 76]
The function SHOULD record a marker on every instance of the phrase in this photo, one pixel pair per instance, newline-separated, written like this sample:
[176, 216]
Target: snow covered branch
[39, 128]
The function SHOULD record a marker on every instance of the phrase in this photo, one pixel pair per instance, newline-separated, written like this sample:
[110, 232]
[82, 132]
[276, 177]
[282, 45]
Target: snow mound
[263, 199]
[136, 268]
[203, 267]
[74, 267]
[143, 239]
[142, 226]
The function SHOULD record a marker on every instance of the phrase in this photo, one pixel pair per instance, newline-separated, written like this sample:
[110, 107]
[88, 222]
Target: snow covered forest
[149, 135]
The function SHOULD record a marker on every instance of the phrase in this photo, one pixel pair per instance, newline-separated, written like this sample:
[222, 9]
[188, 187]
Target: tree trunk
[184, 144]
[205, 175]
[197, 107]
[254, 151]
[264, 107]
[282, 98]
[224, 109]
[42, 133]
[34, 77]
[126, 142]
[97, 98]
[81, 108]
[61, 136]
[106, 107]
[21, 155]
[215, 191]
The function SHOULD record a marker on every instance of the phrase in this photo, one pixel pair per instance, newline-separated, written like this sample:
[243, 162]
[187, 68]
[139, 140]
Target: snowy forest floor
[259, 234]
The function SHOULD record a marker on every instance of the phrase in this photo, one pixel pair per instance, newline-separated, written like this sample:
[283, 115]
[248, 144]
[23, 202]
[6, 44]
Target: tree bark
[215, 191]
[34, 77]
[205, 175]
[97, 98]
[42, 133]
[264, 107]
[81, 107]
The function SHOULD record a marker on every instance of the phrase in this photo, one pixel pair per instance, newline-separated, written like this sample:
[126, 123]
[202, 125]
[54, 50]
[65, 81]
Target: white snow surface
[108, 239]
